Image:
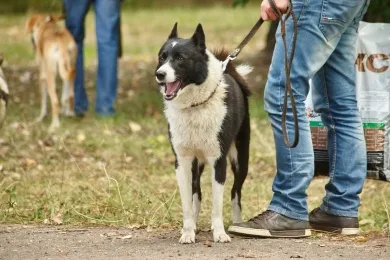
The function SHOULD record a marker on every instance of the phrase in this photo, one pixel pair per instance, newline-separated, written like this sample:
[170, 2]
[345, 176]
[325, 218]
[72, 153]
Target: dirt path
[33, 242]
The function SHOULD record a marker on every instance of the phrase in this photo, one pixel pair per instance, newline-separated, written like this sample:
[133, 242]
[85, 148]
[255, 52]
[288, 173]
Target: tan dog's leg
[43, 91]
[71, 98]
[51, 89]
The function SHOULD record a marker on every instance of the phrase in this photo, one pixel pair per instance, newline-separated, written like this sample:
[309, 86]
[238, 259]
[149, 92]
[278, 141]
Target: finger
[283, 7]
[271, 15]
[264, 15]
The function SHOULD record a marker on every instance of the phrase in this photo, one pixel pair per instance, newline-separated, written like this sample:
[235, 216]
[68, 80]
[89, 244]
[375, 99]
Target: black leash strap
[237, 50]
[287, 66]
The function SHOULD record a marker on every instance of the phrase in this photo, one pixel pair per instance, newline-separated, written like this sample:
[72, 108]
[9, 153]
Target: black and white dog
[208, 121]
[3, 94]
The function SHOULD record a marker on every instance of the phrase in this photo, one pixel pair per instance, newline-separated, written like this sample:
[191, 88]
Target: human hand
[268, 13]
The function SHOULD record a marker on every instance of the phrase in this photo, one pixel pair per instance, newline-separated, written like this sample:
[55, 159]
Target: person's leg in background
[107, 33]
[75, 18]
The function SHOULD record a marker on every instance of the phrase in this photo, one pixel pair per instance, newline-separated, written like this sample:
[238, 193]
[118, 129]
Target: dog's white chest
[194, 131]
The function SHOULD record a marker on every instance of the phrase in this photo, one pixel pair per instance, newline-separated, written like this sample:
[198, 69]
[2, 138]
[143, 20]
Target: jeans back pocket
[336, 15]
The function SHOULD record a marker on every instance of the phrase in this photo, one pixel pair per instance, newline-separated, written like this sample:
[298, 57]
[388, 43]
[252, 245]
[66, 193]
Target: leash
[288, 92]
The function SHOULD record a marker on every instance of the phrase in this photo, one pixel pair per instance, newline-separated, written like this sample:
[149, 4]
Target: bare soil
[63, 242]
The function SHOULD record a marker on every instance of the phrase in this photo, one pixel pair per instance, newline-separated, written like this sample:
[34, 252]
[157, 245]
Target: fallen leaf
[57, 219]
[127, 237]
[360, 239]
[25, 77]
[246, 256]
[81, 137]
[207, 243]
[134, 127]
[29, 161]
[161, 138]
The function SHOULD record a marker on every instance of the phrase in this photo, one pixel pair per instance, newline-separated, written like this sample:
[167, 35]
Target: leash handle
[288, 92]
[287, 66]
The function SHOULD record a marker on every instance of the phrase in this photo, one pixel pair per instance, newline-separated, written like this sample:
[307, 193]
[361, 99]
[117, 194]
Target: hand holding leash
[269, 9]
[272, 10]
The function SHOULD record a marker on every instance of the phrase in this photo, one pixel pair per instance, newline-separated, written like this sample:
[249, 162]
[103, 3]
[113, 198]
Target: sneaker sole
[336, 230]
[267, 233]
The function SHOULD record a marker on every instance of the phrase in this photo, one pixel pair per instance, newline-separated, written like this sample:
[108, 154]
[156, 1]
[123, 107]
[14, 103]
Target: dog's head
[35, 21]
[181, 62]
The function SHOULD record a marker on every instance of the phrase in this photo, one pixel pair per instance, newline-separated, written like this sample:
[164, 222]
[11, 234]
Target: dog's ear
[31, 21]
[199, 38]
[173, 34]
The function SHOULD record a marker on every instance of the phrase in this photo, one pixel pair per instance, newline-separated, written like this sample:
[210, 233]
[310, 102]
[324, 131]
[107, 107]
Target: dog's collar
[211, 95]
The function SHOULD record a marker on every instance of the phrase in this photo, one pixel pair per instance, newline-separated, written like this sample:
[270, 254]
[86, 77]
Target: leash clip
[229, 58]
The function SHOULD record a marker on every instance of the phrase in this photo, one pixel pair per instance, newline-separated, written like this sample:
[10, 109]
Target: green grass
[99, 171]
[144, 31]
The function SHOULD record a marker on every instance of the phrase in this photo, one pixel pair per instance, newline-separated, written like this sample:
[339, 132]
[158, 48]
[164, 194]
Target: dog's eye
[163, 56]
[179, 57]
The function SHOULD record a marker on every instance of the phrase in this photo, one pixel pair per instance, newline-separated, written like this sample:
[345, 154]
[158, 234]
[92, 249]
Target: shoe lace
[261, 216]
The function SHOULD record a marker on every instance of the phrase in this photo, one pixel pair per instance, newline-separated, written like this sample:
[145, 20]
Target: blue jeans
[107, 14]
[325, 53]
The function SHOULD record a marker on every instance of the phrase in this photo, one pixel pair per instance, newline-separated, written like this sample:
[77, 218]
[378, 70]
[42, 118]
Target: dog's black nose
[161, 75]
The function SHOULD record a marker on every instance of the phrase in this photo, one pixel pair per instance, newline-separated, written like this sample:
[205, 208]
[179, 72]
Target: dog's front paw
[187, 237]
[221, 237]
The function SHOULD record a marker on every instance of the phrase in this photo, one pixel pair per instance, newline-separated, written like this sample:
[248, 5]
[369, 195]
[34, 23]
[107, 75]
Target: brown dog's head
[37, 20]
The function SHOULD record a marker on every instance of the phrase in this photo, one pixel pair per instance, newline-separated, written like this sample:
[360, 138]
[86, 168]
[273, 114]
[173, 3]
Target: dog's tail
[239, 74]
[244, 70]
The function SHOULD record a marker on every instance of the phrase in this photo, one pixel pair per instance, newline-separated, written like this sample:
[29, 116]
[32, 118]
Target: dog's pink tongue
[171, 87]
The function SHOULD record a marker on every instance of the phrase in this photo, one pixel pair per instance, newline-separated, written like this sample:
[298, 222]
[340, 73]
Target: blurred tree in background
[378, 11]
[20, 6]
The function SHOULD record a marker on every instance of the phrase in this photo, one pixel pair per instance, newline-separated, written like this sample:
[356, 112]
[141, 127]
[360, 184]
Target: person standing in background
[107, 13]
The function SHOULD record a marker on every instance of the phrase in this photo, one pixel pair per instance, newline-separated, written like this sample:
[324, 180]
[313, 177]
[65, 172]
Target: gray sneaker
[322, 221]
[272, 224]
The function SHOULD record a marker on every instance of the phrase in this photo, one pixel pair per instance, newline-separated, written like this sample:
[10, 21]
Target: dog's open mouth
[171, 89]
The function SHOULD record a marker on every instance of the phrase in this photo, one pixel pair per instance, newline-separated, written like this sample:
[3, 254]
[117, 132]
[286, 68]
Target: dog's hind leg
[43, 91]
[51, 89]
[218, 180]
[197, 169]
[67, 73]
[239, 157]
[67, 99]
[183, 175]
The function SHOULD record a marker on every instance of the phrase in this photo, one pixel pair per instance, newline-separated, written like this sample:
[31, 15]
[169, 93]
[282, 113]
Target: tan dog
[55, 50]
[3, 94]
